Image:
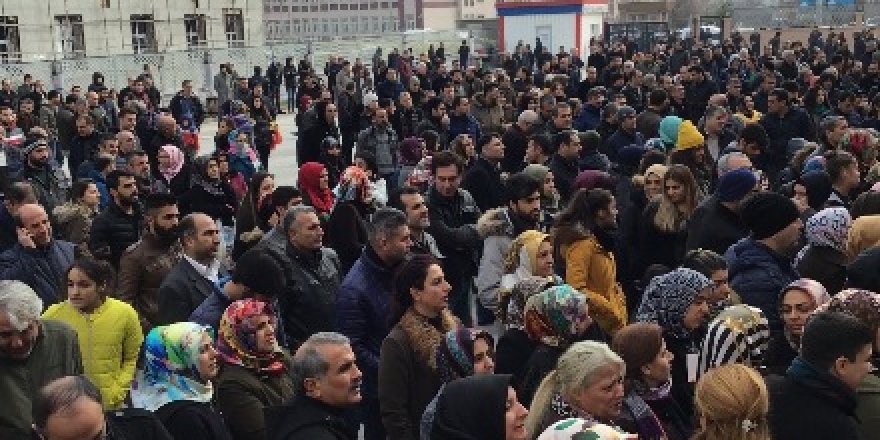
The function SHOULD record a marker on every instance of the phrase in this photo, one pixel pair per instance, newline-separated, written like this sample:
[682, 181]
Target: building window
[143, 33]
[69, 36]
[196, 28]
[384, 5]
[10, 45]
[343, 7]
[105, 4]
[233, 23]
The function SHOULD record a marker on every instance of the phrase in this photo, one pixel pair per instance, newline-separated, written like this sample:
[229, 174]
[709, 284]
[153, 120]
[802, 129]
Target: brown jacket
[142, 268]
[242, 394]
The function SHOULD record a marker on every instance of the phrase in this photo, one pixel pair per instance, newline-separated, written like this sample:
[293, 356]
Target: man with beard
[760, 265]
[48, 182]
[146, 263]
[409, 200]
[118, 226]
[38, 350]
[195, 276]
[500, 226]
[37, 259]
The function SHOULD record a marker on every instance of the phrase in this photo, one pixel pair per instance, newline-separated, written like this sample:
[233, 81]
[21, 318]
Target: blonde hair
[578, 368]
[731, 403]
[670, 217]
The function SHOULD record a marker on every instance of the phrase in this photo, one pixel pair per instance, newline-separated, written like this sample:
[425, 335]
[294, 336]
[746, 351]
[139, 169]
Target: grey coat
[223, 83]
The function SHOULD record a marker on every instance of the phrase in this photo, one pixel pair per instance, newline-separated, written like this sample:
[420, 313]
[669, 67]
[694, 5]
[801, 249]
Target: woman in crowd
[746, 112]
[713, 267]
[322, 125]
[221, 139]
[648, 408]
[530, 254]
[174, 175]
[175, 383]
[242, 159]
[864, 234]
[824, 257]
[679, 303]
[463, 352]
[250, 221]
[464, 147]
[314, 182]
[515, 347]
[732, 403]
[255, 373]
[209, 195]
[262, 118]
[332, 159]
[481, 407]
[109, 330]
[379, 187]
[549, 194]
[663, 226]
[411, 151]
[347, 225]
[796, 302]
[653, 181]
[585, 243]
[74, 218]
[408, 377]
[554, 319]
[739, 335]
[587, 383]
[865, 306]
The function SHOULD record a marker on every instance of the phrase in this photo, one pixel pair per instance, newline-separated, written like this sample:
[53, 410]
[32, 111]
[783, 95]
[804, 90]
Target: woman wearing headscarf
[346, 228]
[514, 346]
[255, 373]
[739, 335]
[549, 194]
[554, 319]
[530, 254]
[482, 407]
[864, 234]
[796, 302]
[332, 159]
[824, 257]
[463, 352]
[315, 129]
[576, 428]
[584, 242]
[587, 382]
[251, 220]
[408, 376]
[173, 175]
[648, 407]
[864, 305]
[209, 195]
[314, 182]
[175, 383]
[679, 303]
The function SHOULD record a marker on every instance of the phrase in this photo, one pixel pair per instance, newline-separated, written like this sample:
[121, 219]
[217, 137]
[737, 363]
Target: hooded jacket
[499, 227]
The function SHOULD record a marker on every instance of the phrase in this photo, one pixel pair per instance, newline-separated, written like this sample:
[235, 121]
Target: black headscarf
[472, 408]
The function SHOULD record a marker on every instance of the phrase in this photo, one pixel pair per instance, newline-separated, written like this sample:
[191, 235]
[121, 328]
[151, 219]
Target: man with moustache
[146, 263]
[33, 352]
[47, 181]
[410, 201]
[119, 225]
[326, 382]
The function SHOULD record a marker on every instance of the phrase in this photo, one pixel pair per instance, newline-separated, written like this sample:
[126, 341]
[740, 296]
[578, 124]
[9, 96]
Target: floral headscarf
[354, 185]
[581, 429]
[309, 183]
[863, 304]
[236, 338]
[170, 371]
[668, 297]
[177, 161]
[519, 294]
[739, 335]
[828, 227]
[557, 316]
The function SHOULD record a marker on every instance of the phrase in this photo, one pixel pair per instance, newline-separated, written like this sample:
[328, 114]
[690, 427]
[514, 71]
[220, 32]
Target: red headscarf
[310, 183]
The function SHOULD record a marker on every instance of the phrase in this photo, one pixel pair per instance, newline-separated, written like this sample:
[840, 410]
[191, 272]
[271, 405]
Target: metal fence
[763, 17]
[200, 65]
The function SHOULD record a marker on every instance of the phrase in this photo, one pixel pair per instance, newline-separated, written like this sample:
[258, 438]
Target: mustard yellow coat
[109, 340]
[591, 270]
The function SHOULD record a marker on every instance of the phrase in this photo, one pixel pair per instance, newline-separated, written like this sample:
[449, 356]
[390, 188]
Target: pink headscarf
[177, 160]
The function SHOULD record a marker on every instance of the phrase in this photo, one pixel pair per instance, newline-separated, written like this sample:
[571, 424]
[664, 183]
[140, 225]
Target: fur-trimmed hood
[495, 221]
[424, 336]
[70, 210]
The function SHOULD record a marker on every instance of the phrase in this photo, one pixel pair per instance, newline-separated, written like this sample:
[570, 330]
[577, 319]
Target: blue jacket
[588, 118]
[758, 275]
[363, 304]
[466, 124]
[41, 269]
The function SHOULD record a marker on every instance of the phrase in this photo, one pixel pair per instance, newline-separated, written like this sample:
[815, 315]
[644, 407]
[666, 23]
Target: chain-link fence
[763, 17]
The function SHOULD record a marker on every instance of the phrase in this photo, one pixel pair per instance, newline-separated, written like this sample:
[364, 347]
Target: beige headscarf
[522, 257]
[864, 233]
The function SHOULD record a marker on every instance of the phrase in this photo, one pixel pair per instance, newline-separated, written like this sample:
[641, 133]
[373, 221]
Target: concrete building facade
[64, 29]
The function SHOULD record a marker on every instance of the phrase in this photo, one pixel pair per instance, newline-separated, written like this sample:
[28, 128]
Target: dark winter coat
[308, 301]
[825, 265]
[483, 181]
[191, 420]
[714, 227]
[113, 231]
[182, 291]
[758, 274]
[217, 206]
[305, 418]
[346, 232]
[656, 246]
[41, 269]
[242, 395]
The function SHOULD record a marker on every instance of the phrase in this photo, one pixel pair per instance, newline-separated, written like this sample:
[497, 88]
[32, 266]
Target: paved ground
[282, 161]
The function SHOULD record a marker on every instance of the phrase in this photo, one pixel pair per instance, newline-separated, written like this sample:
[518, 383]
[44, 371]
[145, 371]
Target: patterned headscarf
[171, 367]
[176, 164]
[237, 337]
[668, 297]
[828, 227]
[557, 316]
[514, 317]
[863, 304]
[353, 185]
[739, 335]
[455, 353]
[581, 429]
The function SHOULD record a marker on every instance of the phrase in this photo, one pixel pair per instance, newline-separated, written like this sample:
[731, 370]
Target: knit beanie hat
[735, 184]
[767, 213]
[668, 130]
[688, 136]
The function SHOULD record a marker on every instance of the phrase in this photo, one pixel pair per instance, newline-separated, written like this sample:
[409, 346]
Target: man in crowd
[843, 168]
[437, 120]
[648, 121]
[363, 306]
[119, 225]
[564, 164]
[381, 141]
[49, 183]
[626, 134]
[15, 196]
[539, 150]
[410, 201]
[483, 178]
[516, 141]
[715, 224]
[782, 122]
[146, 263]
[186, 105]
[84, 144]
[461, 121]
[33, 352]
[560, 121]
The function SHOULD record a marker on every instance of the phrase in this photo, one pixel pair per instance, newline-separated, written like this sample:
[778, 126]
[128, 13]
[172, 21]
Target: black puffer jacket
[307, 419]
[113, 231]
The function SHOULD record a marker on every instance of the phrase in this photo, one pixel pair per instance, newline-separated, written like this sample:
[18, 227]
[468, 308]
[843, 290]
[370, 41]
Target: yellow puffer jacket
[591, 270]
[109, 340]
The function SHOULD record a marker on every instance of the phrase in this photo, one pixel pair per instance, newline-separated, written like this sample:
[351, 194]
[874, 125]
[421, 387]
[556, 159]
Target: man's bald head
[68, 407]
[35, 221]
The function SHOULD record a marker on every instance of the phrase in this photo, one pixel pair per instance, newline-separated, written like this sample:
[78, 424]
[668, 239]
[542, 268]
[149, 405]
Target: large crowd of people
[669, 242]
